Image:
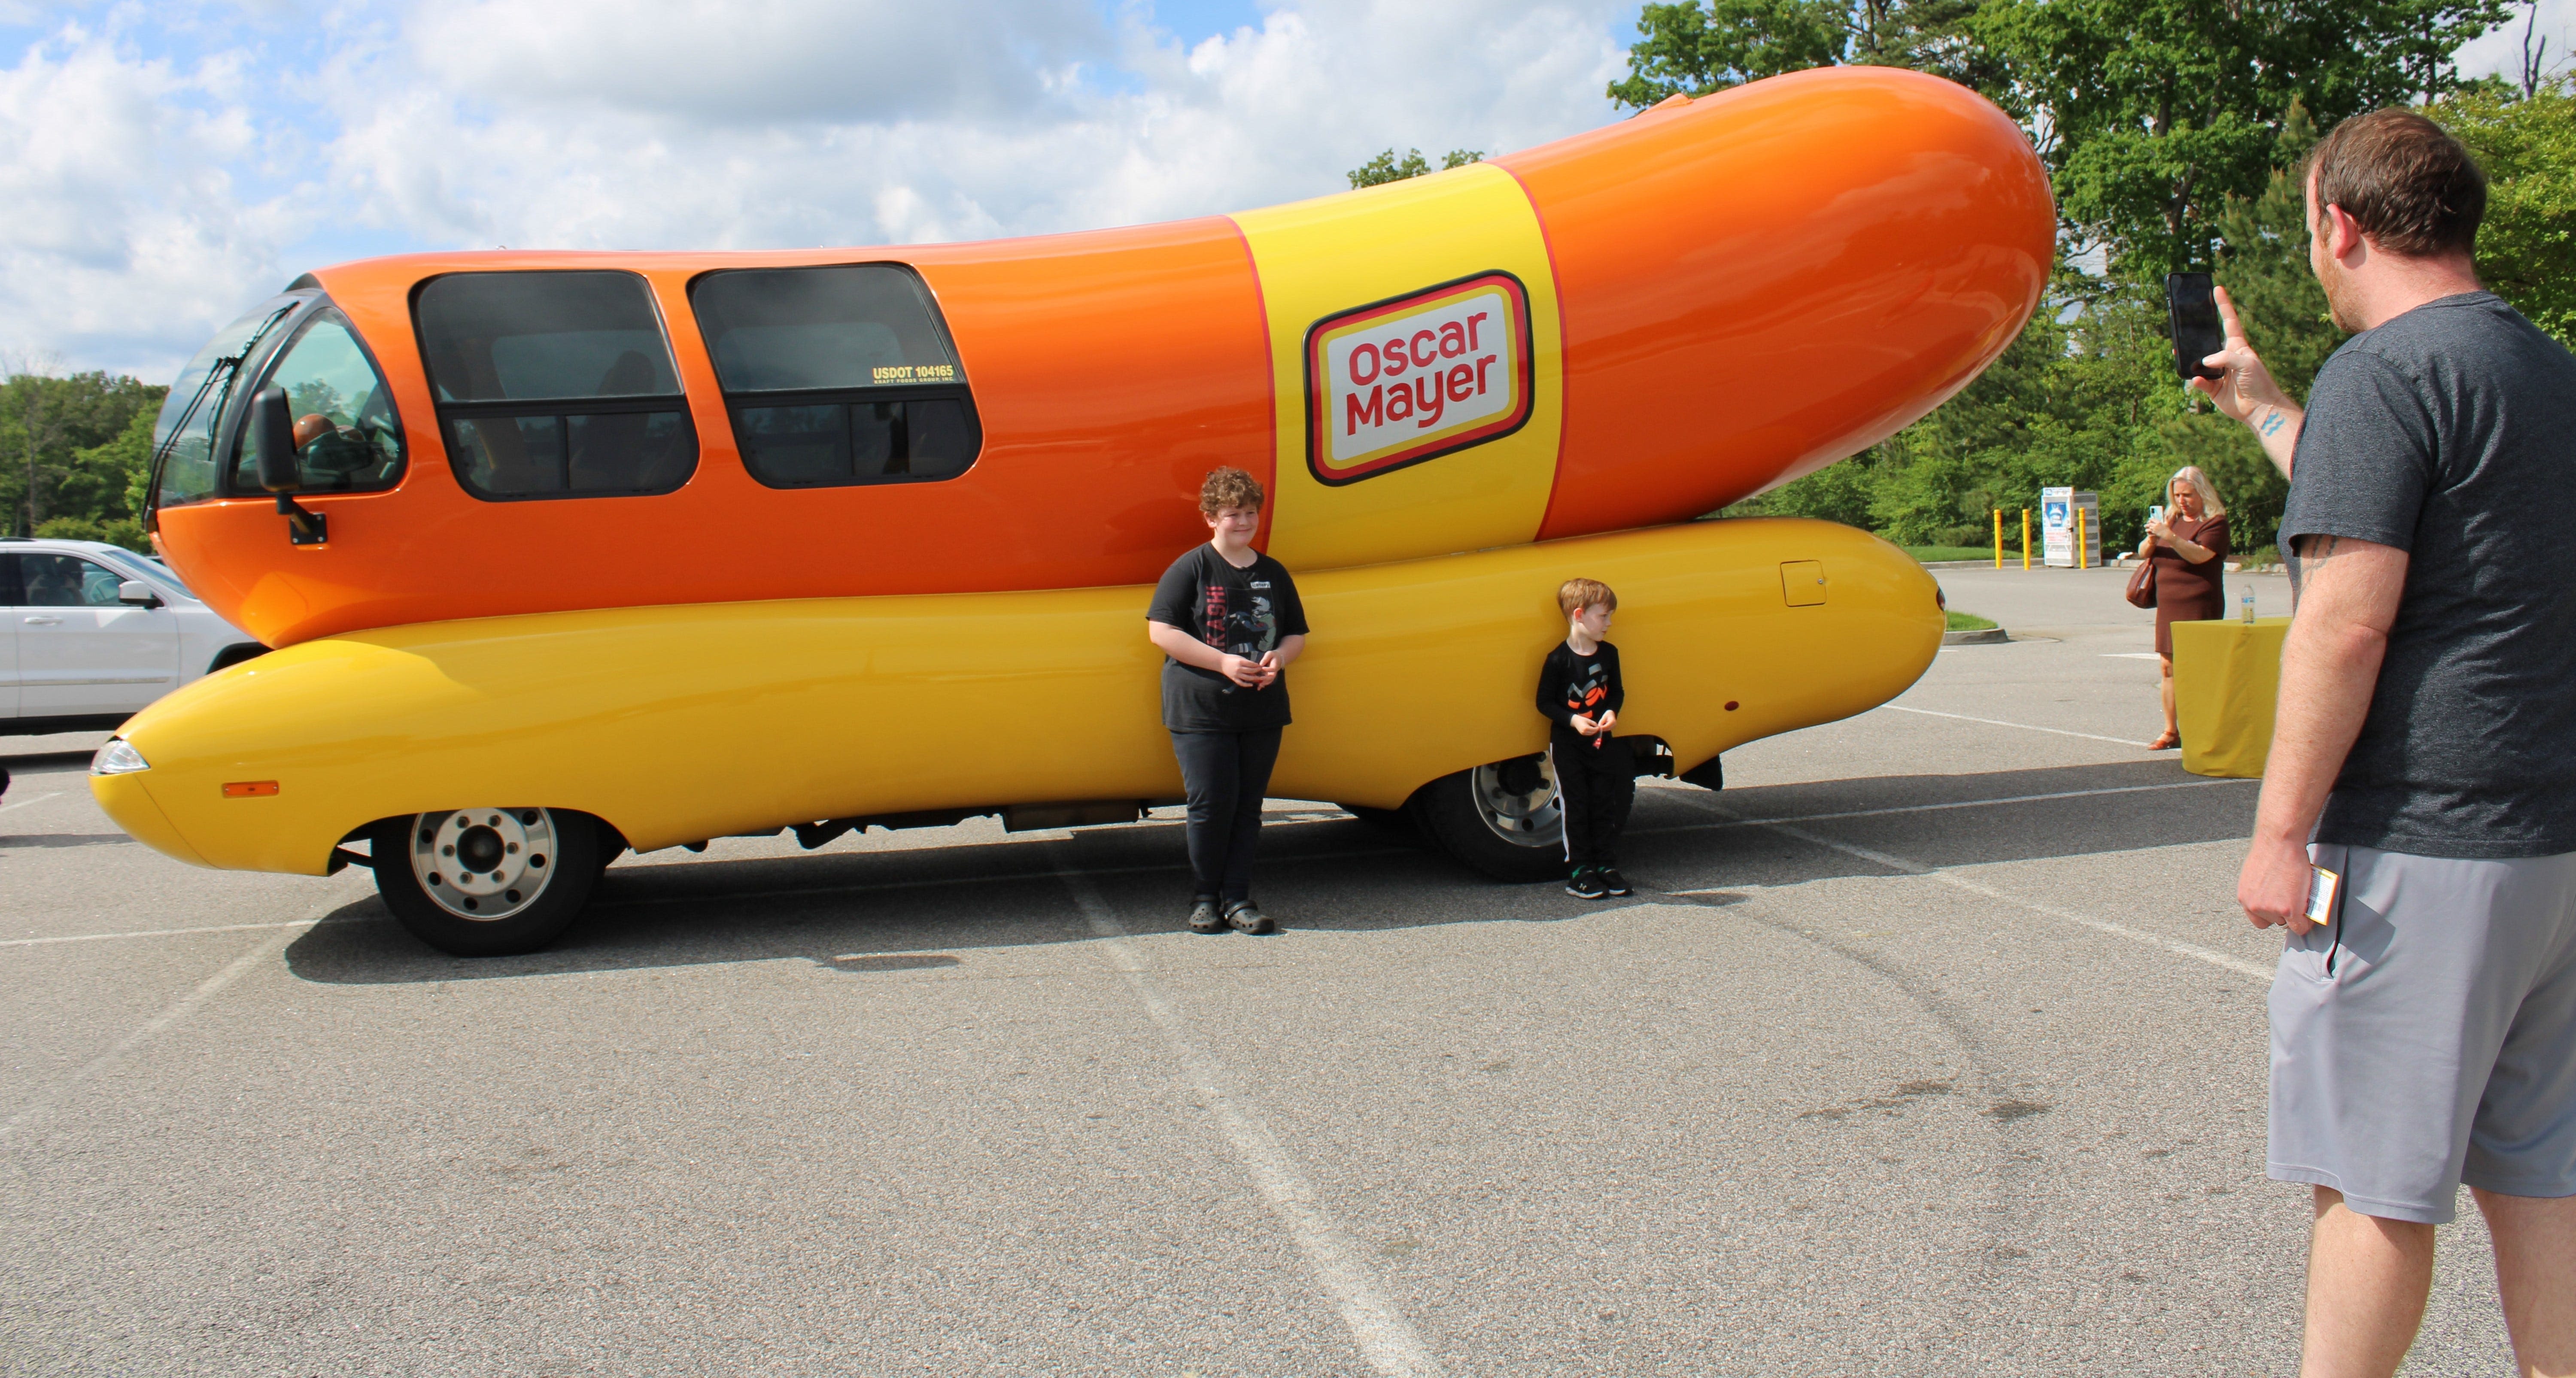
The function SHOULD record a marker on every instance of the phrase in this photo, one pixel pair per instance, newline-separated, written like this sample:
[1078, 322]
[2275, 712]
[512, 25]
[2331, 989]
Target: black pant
[1226, 775]
[1596, 779]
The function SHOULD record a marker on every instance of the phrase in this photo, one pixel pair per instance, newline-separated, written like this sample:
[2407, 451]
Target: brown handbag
[2142, 584]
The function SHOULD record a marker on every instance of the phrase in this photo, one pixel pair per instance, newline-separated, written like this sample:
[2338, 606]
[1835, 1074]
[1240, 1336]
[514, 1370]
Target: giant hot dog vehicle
[565, 553]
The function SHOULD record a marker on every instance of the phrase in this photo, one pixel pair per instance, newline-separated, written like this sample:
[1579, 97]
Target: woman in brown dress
[2189, 546]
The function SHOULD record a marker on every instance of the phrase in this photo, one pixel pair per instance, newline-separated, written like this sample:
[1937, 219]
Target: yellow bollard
[2025, 540]
[1999, 538]
[2077, 514]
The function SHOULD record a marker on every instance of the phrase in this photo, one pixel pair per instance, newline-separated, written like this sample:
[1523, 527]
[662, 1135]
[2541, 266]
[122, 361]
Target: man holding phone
[2424, 1017]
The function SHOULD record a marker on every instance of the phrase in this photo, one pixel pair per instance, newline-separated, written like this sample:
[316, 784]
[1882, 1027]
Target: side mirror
[138, 593]
[272, 441]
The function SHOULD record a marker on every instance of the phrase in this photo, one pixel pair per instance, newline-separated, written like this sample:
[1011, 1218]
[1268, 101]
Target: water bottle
[2248, 604]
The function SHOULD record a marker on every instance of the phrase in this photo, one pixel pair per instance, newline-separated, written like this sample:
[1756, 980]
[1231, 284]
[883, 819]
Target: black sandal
[1246, 918]
[1204, 917]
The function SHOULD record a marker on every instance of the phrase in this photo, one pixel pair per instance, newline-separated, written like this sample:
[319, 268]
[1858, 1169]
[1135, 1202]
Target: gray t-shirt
[2450, 433]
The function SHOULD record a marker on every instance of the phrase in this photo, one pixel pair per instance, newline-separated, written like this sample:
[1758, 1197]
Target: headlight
[118, 757]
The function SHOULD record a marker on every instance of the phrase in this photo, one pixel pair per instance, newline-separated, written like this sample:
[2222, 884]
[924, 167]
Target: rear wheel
[1503, 819]
[487, 882]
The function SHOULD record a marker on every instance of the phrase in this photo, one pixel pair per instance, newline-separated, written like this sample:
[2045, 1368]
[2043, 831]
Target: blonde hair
[1584, 593]
[2210, 506]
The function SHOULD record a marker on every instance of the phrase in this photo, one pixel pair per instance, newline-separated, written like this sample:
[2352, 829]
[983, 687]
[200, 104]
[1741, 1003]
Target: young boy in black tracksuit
[1596, 779]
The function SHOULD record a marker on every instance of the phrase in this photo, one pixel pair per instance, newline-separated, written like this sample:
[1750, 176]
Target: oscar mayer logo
[1417, 377]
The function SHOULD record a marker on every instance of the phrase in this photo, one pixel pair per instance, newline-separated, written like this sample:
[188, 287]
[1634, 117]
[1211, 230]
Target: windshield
[183, 439]
[148, 570]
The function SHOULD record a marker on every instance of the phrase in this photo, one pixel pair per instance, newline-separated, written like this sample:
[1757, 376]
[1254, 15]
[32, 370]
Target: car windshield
[148, 570]
[183, 438]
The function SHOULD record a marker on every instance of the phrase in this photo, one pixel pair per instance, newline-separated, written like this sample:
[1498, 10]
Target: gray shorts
[2441, 1049]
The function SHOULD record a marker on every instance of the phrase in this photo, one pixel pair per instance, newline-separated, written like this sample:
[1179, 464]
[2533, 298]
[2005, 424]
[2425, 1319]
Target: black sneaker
[1585, 884]
[1247, 918]
[1610, 880]
[1204, 917]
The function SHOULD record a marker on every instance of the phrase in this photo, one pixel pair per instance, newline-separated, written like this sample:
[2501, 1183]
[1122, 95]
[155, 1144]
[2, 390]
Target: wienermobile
[566, 553]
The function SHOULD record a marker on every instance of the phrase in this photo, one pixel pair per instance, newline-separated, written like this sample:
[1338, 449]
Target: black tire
[526, 919]
[1491, 841]
[1397, 822]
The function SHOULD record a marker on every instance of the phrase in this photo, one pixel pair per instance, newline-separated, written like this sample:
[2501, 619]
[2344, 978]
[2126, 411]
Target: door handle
[44, 622]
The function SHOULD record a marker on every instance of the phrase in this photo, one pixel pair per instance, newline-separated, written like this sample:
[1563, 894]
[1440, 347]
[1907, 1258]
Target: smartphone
[2153, 513]
[2191, 307]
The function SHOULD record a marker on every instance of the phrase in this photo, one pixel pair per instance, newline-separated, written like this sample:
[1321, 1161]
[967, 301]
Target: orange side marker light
[250, 789]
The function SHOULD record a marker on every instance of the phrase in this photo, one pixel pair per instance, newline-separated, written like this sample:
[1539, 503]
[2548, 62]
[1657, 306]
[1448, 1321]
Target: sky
[165, 166]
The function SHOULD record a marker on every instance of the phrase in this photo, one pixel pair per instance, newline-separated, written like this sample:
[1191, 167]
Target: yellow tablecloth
[2226, 676]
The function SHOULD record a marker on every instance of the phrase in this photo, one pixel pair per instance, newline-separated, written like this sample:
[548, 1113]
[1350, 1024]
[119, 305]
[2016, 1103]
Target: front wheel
[1503, 820]
[486, 882]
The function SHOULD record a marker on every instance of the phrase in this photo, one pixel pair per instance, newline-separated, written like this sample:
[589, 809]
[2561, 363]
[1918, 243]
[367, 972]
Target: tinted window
[65, 581]
[837, 375]
[134, 566]
[572, 456]
[491, 337]
[183, 439]
[864, 325]
[346, 437]
[554, 385]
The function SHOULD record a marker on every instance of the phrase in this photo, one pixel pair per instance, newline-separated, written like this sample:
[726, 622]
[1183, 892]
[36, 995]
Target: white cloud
[1239, 120]
[154, 197]
[125, 241]
[748, 61]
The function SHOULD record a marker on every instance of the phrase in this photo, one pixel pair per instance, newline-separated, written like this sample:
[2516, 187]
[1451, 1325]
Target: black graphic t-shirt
[1242, 612]
[1569, 684]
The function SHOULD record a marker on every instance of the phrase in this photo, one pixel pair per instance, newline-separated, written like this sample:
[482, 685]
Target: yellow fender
[688, 722]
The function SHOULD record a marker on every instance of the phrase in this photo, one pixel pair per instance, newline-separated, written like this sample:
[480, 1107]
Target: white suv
[96, 632]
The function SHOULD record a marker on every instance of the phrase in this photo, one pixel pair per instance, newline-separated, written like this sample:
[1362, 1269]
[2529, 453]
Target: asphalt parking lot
[1934, 1044]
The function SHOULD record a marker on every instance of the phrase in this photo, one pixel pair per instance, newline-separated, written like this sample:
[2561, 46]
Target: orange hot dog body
[1872, 243]
[1738, 290]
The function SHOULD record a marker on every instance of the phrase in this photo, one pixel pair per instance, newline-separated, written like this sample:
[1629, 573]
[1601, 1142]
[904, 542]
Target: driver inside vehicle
[336, 456]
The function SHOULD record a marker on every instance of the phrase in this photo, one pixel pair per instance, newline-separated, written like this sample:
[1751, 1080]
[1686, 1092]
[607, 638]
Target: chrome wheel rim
[1518, 802]
[483, 865]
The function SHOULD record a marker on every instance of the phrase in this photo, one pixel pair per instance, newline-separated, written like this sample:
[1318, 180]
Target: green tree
[1692, 48]
[105, 483]
[2153, 112]
[1386, 167]
[2527, 246]
[45, 422]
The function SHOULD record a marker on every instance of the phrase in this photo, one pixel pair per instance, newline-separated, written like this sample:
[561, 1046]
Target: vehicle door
[79, 649]
[8, 635]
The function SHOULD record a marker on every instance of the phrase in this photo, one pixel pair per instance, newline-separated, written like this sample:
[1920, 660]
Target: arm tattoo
[2304, 555]
[2271, 426]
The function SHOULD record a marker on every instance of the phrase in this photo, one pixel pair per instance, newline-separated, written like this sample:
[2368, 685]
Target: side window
[835, 376]
[346, 437]
[66, 581]
[554, 385]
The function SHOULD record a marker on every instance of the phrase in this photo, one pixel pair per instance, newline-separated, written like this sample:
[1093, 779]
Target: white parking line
[48, 1097]
[151, 933]
[2026, 727]
[2116, 930]
[31, 799]
[1384, 1336]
